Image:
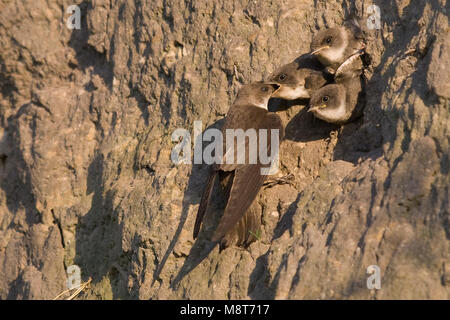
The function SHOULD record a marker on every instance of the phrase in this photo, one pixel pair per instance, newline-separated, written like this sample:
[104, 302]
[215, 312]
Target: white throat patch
[338, 53]
[338, 114]
[263, 105]
[289, 93]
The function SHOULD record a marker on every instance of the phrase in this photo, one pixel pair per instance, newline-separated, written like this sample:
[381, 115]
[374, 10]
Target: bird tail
[204, 202]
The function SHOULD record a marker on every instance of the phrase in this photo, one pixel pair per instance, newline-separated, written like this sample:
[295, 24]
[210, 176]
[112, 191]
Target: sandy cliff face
[86, 118]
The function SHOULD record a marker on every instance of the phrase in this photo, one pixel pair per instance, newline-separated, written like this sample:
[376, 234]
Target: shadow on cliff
[17, 187]
[99, 237]
[202, 246]
[405, 28]
[98, 233]
[86, 55]
[16, 178]
[261, 290]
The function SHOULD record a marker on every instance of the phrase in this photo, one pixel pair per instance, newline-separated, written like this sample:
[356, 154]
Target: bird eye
[325, 99]
[328, 40]
[282, 77]
[264, 89]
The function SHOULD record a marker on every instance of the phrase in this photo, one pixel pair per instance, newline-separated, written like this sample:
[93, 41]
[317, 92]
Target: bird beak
[313, 109]
[320, 49]
[362, 46]
[275, 94]
[275, 86]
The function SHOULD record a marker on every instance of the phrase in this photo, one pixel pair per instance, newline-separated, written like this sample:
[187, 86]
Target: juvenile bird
[334, 46]
[339, 102]
[299, 78]
[244, 180]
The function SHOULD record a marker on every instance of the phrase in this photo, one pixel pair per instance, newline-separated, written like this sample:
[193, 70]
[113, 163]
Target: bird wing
[247, 229]
[239, 117]
[247, 182]
[233, 116]
[204, 202]
[356, 96]
[351, 67]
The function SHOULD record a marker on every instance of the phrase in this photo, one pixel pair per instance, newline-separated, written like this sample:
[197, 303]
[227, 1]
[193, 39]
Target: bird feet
[287, 179]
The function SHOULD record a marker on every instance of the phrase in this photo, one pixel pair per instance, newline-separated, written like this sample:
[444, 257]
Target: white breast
[262, 105]
[338, 53]
[334, 115]
[289, 93]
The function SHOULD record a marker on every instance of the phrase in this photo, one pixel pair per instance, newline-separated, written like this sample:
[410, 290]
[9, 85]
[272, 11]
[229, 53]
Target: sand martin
[249, 111]
[334, 46]
[339, 102]
[299, 78]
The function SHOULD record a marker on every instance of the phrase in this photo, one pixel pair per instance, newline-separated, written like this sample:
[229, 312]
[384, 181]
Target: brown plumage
[339, 102]
[333, 46]
[299, 78]
[249, 111]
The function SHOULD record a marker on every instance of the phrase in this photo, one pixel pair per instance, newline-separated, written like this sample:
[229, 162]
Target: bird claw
[287, 179]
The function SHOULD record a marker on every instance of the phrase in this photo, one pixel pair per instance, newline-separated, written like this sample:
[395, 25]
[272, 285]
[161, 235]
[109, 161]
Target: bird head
[328, 103]
[291, 81]
[257, 93]
[329, 45]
